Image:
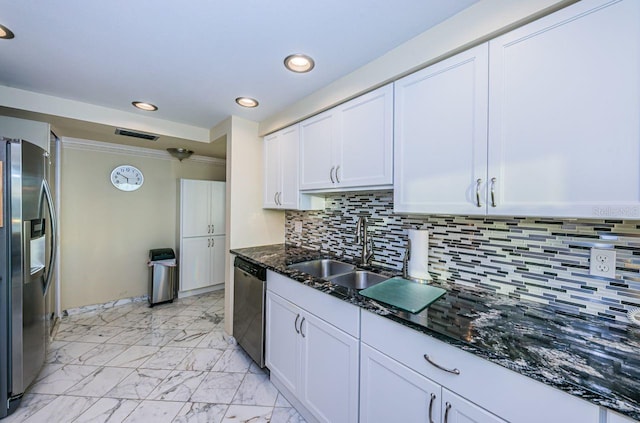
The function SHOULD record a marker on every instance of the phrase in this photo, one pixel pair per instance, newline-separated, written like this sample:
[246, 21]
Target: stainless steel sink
[324, 268]
[360, 279]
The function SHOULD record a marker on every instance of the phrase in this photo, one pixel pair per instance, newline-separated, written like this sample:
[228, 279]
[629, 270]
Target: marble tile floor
[132, 363]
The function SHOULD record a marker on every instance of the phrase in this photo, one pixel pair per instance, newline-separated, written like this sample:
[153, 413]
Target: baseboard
[103, 306]
[192, 292]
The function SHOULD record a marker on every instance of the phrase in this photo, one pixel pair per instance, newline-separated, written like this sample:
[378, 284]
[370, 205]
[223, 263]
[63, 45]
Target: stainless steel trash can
[162, 275]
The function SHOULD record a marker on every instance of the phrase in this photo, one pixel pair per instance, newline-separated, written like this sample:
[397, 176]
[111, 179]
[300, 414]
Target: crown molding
[106, 147]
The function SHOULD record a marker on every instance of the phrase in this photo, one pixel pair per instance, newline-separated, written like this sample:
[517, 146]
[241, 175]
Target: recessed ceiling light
[299, 63]
[145, 106]
[247, 102]
[5, 33]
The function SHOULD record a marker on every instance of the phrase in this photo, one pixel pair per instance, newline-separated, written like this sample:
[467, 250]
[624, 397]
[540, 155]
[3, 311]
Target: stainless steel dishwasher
[248, 307]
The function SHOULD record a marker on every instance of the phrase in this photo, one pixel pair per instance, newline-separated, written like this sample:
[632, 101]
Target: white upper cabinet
[564, 122]
[349, 146]
[281, 173]
[317, 136]
[558, 135]
[364, 157]
[441, 136]
[202, 208]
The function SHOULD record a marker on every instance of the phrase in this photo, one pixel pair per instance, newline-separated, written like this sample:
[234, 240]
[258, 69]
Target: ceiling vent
[136, 134]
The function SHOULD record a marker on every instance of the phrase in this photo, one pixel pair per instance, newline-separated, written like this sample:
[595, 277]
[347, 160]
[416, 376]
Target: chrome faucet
[405, 260]
[362, 238]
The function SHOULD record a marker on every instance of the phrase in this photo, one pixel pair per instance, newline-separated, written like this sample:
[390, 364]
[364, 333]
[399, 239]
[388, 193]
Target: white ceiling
[192, 58]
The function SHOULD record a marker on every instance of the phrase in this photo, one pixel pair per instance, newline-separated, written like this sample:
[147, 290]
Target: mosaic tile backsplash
[539, 259]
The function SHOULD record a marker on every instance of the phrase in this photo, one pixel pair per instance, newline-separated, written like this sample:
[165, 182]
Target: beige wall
[248, 224]
[106, 234]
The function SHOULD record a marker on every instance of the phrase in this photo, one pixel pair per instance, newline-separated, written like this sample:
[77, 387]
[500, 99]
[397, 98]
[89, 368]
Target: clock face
[127, 178]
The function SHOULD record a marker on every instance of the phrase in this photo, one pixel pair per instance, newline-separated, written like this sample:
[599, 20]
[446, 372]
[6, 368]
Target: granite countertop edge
[276, 257]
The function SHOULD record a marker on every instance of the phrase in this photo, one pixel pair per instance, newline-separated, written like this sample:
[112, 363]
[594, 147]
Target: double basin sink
[339, 273]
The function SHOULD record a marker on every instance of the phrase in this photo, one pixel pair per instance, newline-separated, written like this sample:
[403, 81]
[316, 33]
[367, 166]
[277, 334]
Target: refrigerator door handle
[54, 234]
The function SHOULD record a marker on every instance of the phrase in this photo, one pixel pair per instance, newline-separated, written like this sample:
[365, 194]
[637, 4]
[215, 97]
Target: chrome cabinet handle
[279, 198]
[213, 242]
[331, 174]
[433, 363]
[493, 192]
[208, 242]
[478, 183]
[54, 235]
[213, 228]
[446, 412]
[337, 179]
[301, 323]
[295, 324]
[275, 198]
[433, 398]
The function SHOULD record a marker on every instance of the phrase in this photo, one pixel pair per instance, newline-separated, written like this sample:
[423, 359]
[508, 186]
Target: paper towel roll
[418, 265]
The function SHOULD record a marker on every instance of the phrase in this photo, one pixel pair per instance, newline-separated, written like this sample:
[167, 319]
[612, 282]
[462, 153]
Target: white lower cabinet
[408, 366]
[312, 361]
[617, 418]
[456, 409]
[202, 262]
[393, 392]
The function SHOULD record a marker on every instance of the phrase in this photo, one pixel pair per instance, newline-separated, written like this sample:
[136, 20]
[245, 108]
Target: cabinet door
[441, 136]
[272, 170]
[317, 136]
[391, 392]
[289, 160]
[195, 212]
[218, 254]
[218, 207]
[458, 410]
[329, 371]
[195, 263]
[617, 418]
[365, 148]
[564, 123]
[282, 346]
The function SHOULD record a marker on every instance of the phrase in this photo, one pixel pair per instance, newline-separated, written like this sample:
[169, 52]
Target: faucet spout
[362, 238]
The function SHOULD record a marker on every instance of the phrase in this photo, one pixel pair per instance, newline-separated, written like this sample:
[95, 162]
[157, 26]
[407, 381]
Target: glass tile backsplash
[538, 259]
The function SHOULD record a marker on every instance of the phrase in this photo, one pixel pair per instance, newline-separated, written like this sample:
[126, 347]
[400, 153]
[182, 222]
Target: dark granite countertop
[589, 357]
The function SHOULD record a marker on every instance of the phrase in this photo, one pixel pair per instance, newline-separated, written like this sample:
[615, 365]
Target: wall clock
[127, 178]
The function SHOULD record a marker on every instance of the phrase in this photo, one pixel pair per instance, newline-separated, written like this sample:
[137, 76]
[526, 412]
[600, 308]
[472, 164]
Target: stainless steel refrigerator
[27, 256]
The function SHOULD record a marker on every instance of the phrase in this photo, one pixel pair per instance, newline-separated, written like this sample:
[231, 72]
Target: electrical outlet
[297, 226]
[603, 263]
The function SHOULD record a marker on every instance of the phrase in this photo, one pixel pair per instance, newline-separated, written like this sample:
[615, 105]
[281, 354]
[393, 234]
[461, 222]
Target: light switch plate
[603, 263]
[297, 226]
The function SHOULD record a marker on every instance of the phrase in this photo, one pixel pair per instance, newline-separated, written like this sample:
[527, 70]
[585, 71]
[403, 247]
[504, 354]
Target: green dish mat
[404, 294]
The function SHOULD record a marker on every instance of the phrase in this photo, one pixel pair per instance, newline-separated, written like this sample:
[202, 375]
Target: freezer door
[27, 243]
